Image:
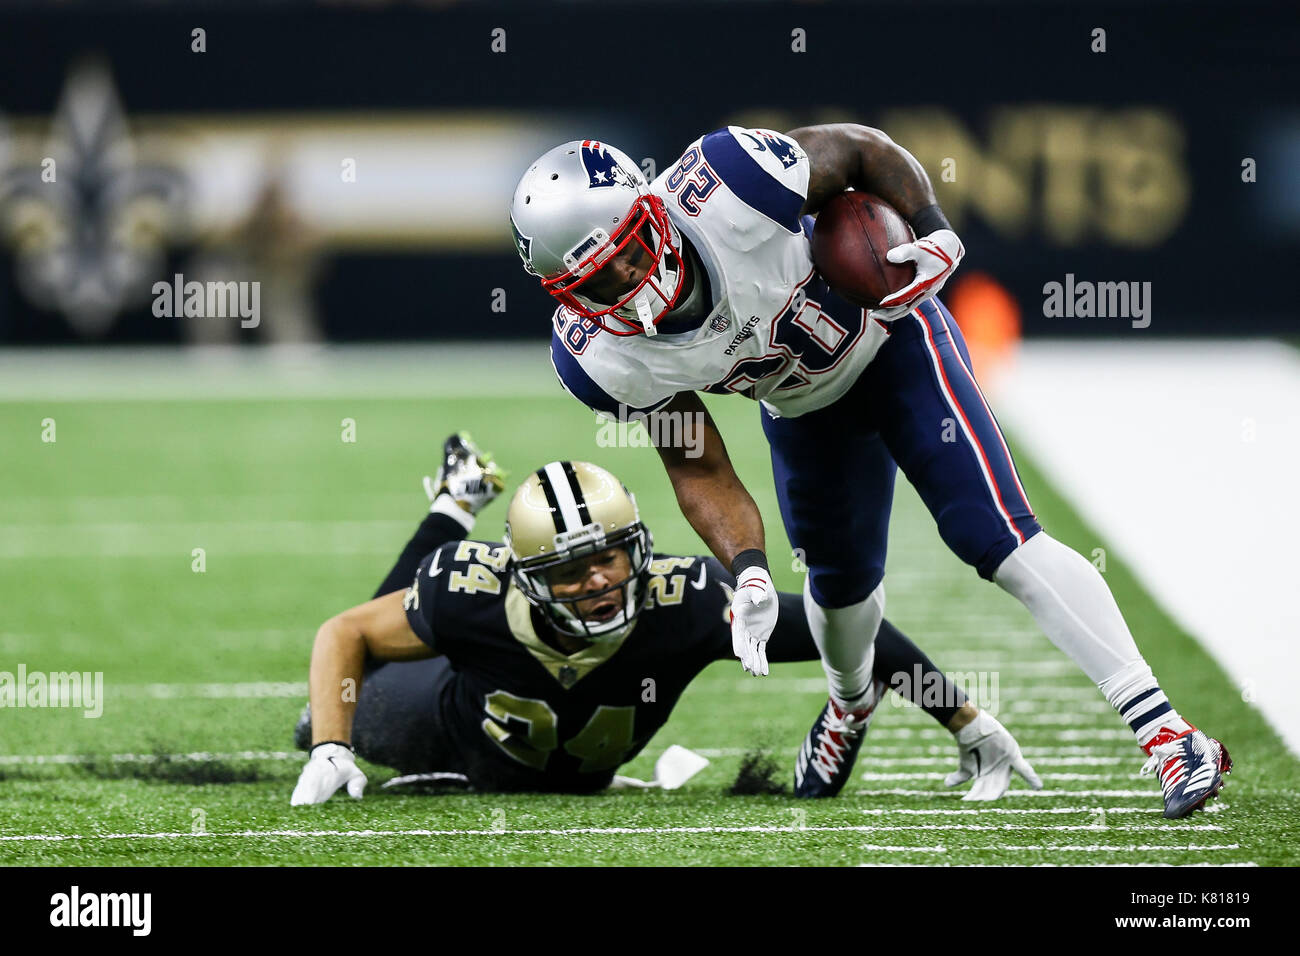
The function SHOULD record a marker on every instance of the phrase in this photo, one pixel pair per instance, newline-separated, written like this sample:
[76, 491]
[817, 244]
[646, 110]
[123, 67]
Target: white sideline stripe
[1183, 428]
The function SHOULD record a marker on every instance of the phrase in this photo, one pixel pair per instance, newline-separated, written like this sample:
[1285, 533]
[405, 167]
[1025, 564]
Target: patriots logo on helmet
[523, 243]
[783, 149]
[602, 168]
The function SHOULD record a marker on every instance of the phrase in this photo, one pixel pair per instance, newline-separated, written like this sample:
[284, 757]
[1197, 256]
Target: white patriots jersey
[772, 332]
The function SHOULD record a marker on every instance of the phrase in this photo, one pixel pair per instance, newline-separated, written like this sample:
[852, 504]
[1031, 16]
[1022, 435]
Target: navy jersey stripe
[577, 382]
[583, 387]
[752, 184]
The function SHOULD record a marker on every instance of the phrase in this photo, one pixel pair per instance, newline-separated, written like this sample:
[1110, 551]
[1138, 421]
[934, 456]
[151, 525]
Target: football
[849, 241]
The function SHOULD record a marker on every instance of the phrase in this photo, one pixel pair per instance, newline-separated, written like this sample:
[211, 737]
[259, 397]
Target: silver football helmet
[578, 206]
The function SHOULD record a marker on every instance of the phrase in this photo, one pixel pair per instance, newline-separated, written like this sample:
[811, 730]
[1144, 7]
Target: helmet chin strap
[670, 279]
[645, 313]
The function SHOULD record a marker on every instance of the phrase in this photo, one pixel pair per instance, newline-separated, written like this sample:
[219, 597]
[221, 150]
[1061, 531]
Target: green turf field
[97, 538]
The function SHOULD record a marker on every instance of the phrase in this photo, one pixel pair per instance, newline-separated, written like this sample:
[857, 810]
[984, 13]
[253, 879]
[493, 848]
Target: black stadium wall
[1164, 149]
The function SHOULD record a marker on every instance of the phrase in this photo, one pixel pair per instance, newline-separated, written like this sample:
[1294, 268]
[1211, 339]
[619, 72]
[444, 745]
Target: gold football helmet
[565, 512]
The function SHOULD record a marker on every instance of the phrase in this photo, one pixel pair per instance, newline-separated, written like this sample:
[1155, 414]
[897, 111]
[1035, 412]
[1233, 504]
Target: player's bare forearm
[377, 629]
[841, 155]
[708, 489]
[337, 663]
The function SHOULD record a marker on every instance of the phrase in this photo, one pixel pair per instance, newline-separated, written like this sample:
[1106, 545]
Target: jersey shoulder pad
[766, 170]
[602, 382]
[453, 585]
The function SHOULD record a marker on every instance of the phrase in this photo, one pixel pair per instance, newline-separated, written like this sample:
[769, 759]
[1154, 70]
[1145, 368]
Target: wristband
[928, 220]
[341, 743]
[751, 558]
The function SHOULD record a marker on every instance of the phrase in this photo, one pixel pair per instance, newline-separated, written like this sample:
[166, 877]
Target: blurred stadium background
[356, 160]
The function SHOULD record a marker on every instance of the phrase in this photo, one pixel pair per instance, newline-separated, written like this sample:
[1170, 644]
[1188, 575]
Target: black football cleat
[467, 473]
[825, 760]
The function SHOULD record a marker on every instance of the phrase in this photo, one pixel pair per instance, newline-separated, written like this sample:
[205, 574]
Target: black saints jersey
[521, 714]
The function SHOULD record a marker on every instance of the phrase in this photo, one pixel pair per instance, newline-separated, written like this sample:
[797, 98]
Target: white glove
[753, 616]
[987, 752]
[936, 257]
[330, 767]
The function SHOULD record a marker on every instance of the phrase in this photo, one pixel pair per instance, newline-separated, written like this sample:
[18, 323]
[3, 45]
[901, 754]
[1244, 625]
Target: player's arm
[708, 489]
[379, 629]
[844, 155]
[724, 514]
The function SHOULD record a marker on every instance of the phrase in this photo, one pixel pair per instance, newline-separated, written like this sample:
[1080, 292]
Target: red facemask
[658, 290]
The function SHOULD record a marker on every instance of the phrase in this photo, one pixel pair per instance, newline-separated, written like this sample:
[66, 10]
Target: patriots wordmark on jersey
[766, 326]
[521, 714]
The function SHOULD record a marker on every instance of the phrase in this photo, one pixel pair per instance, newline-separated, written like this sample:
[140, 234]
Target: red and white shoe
[1191, 768]
[825, 760]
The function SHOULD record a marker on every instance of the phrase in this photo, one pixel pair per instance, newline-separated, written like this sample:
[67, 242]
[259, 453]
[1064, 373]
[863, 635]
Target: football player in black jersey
[545, 662]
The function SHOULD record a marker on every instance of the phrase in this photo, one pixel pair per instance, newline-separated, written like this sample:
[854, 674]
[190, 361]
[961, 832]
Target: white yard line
[217, 538]
[410, 370]
[37, 759]
[217, 690]
[1012, 794]
[1184, 457]
[1214, 864]
[1046, 776]
[198, 756]
[567, 831]
[1067, 848]
[1018, 811]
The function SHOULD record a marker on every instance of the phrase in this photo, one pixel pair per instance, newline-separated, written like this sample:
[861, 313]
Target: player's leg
[945, 438]
[835, 487]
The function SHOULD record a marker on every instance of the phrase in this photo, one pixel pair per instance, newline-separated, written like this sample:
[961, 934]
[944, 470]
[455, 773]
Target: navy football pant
[397, 721]
[917, 406]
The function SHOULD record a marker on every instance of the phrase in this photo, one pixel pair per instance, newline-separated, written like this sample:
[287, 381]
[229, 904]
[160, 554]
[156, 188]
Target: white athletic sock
[1074, 607]
[846, 638]
[1133, 692]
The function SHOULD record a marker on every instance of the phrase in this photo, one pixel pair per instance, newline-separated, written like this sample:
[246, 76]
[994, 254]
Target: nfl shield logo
[720, 323]
[568, 676]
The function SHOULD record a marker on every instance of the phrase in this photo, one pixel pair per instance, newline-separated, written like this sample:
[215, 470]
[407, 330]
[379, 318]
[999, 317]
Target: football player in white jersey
[704, 281]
